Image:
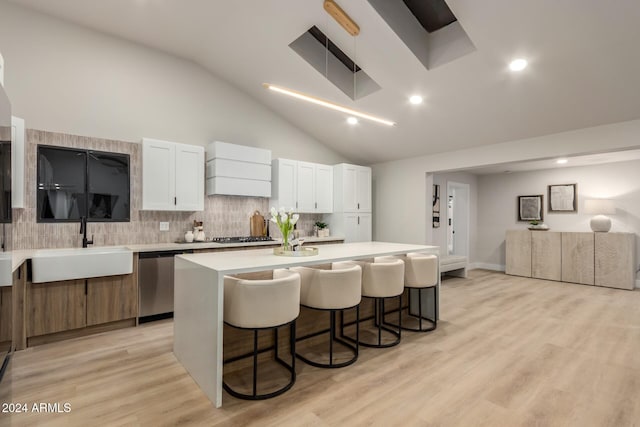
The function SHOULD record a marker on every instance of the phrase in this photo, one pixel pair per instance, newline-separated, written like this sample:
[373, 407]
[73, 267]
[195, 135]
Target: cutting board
[257, 225]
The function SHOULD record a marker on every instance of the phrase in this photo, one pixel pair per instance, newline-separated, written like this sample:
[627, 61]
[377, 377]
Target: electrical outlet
[164, 226]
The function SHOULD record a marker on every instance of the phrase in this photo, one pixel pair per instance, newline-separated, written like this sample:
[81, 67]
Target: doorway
[458, 218]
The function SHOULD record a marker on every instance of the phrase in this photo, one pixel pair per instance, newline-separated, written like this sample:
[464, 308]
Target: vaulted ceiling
[584, 66]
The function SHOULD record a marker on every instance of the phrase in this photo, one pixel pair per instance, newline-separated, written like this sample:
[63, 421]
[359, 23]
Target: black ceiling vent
[333, 49]
[428, 28]
[431, 14]
[333, 63]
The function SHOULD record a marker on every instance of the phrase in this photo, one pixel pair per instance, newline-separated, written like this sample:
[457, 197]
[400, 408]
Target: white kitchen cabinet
[304, 186]
[355, 227]
[352, 188]
[189, 178]
[283, 183]
[17, 162]
[172, 176]
[238, 170]
[324, 188]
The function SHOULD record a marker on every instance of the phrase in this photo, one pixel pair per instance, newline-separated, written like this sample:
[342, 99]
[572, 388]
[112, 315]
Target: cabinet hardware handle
[175, 200]
[358, 205]
[358, 220]
[296, 205]
[316, 205]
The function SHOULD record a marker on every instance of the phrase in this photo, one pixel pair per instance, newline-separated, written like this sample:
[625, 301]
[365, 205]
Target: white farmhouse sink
[50, 265]
[6, 276]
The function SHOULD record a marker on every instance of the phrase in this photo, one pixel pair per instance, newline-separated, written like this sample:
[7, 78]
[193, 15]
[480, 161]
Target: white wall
[64, 78]
[439, 235]
[401, 191]
[497, 202]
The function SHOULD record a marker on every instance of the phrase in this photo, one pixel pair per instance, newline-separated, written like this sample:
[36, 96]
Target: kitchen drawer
[238, 187]
[236, 169]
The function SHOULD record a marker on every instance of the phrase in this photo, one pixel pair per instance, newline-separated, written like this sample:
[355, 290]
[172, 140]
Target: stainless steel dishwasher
[155, 281]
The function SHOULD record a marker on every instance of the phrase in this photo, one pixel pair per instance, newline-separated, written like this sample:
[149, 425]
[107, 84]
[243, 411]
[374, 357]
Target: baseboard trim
[485, 266]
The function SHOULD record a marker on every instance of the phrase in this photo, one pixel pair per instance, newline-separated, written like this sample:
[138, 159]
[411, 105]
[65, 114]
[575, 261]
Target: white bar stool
[421, 272]
[382, 279]
[259, 305]
[334, 290]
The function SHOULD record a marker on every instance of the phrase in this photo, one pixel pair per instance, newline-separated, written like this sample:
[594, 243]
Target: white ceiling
[583, 54]
[550, 163]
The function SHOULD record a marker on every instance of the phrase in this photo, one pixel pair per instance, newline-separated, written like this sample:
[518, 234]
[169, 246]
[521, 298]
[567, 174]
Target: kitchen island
[199, 292]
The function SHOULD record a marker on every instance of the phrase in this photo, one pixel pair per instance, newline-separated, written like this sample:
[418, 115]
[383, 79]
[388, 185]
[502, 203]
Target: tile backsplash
[223, 215]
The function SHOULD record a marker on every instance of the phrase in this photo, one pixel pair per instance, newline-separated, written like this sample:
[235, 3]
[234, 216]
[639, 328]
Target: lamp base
[600, 223]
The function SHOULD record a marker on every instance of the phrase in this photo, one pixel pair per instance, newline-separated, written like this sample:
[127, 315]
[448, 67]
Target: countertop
[18, 257]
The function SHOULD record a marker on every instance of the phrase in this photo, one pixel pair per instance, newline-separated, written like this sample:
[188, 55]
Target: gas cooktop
[247, 239]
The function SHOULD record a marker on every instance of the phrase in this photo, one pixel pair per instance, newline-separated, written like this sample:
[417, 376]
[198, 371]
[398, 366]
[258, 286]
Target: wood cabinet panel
[6, 313]
[546, 255]
[111, 298]
[615, 260]
[578, 258]
[56, 306]
[518, 253]
[19, 308]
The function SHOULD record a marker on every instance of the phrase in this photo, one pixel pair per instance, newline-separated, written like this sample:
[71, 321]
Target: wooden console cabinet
[600, 259]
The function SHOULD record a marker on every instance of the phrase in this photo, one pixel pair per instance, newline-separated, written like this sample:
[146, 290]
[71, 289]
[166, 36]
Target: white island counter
[199, 291]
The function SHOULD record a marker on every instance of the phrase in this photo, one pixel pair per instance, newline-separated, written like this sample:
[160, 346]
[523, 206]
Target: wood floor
[509, 351]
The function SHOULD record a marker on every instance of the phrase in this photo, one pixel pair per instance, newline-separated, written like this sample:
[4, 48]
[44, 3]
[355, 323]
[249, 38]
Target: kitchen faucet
[83, 231]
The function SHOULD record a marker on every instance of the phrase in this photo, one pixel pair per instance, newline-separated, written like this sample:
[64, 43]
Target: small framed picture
[530, 208]
[436, 206]
[563, 198]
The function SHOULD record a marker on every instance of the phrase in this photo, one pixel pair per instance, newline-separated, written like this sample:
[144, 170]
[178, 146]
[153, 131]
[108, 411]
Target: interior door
[458, 209]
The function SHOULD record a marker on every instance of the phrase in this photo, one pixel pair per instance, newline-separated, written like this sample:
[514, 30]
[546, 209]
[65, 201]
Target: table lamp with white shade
[600, 208]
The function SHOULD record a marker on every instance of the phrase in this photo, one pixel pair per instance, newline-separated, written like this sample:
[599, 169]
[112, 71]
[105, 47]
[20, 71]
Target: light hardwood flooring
[509, 351]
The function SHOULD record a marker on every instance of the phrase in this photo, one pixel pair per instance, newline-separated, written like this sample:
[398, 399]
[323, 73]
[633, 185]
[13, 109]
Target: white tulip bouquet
[286, 221]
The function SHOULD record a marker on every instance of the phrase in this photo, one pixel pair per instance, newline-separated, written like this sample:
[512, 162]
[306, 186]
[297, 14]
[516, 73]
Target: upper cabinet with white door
[352, 188]
[172, 176]
[352, 216]
[238, 170]
[306, 187]
[1, 70]
[17, 162]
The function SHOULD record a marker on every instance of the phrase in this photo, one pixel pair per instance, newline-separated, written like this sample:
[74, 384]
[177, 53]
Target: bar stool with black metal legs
[421, 273]
[332, 290]
[383, 279]
[263, 305]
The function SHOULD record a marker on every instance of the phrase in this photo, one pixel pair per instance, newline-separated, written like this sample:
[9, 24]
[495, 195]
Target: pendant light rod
[341, 17]
[327, 104]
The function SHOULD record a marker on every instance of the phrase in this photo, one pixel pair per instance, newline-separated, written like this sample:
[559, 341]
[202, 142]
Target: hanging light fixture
[341, 17]
[353, 29]
[327, 104]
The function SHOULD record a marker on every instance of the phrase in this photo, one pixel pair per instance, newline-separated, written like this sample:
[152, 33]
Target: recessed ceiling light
[415, 99]
[562, 161]
[518, 64]
[352, 121]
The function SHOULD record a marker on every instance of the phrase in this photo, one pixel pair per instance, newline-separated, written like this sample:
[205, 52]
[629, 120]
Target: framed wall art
[436, 206]
[563, 198]
[530, 208]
